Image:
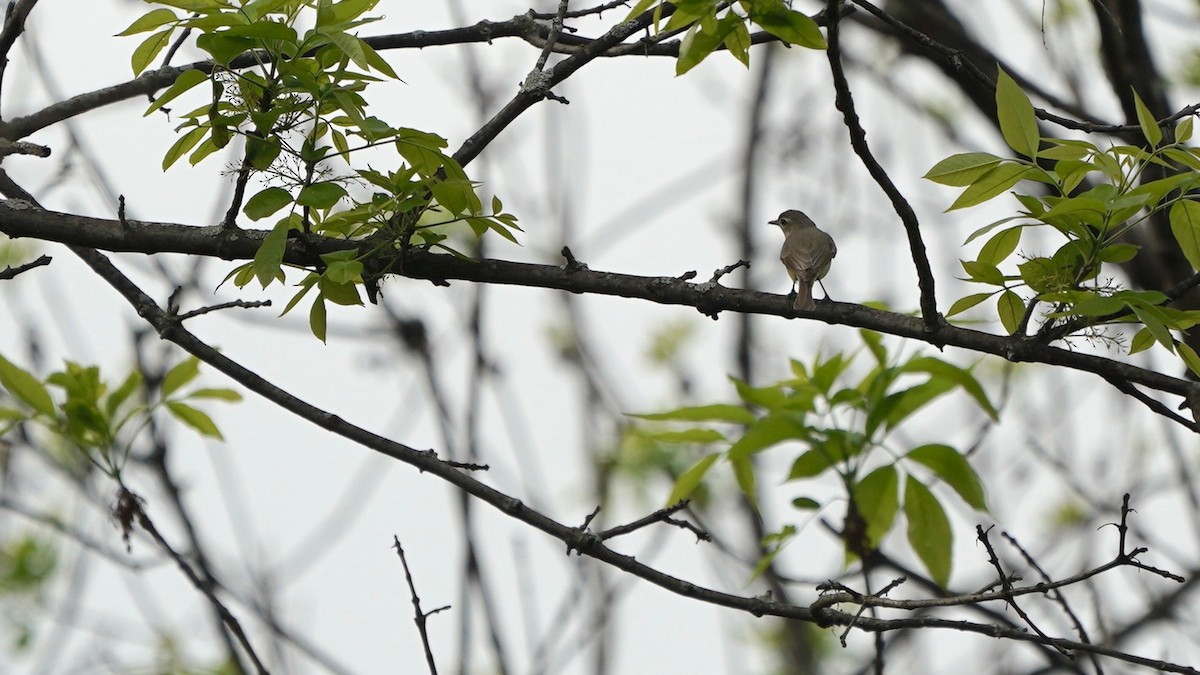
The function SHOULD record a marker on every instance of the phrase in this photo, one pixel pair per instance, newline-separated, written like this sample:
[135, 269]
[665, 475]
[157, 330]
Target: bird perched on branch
[807, 252]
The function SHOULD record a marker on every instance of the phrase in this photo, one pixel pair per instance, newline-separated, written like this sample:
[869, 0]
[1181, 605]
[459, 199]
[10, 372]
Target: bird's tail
[804, 299]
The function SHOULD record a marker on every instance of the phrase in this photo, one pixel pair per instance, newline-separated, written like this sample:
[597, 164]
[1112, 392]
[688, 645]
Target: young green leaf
[962, 169]
[185, 371]
[186, 80]
[929, 530]
[1183, 132]
[953, 468]
[735, 414]
[266, 202]
[317, 318]
[1185, 225]
[877, 496]
[743, 473]
[811, 463]
[1018, 124]
[1142, 340]
[993, 183]
[149, 21]
[182, 146]
[1147, 122]
[1000, 246]
[691, 479]
[1011, 310]
[967, 302]
[148, 49]
[194, 419]
[26, 388]
[789, 25]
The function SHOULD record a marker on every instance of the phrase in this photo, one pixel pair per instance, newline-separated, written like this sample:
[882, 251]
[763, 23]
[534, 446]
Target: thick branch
[20, 219]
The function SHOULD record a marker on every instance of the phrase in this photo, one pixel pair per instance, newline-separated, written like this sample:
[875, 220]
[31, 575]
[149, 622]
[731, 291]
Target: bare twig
[129, 507]
[10, 272]
[420, 617]
[858, 140]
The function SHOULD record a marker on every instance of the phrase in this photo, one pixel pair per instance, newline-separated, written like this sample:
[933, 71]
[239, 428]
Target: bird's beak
[773, 222]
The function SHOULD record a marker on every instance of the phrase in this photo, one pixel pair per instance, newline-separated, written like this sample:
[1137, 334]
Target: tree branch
[21, 219]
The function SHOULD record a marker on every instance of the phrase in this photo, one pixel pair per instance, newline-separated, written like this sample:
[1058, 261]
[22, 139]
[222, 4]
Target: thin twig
[130, 505]
[11, 272]
[420, 617]
[858, 140]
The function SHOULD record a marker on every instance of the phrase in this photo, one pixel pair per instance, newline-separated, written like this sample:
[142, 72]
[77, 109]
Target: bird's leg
[792, 292]
[826, 298]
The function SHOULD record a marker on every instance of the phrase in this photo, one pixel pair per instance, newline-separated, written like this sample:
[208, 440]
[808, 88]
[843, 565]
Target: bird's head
[792, 218]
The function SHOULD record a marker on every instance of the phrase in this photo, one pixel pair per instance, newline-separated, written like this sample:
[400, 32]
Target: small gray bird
[807, 252]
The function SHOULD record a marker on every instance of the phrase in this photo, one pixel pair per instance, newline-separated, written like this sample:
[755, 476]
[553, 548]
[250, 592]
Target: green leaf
[148, 49]
[952, 373]
[697, 44]
[262, 152]
[194, 419]
[703, 436]
[1189, 357]
[1018, 124]
[1142, 340]
[185, 371]
[1146, 120]
[962, 169]
[1185, 225]
[806, 504]
[149, 21]
[266, 202]
[967, 302]
[877, 496]
[1183, 132]
[899, 406]
[123, 392]
[317, 318]
[268, 260]
[216, 394]
[743, 472]
[224, 48]
[982, 272]
[993, 183]
[771, 397]
[787, 24]
[186, 80]
[953, 468]
[704, 413]
[182, 146]
[738, 43]
[25, 387]
[691, 479]
[1000, 246]
[639, 9]
[1011, 311]
[1118, 253]
[1098, 305]
[321, 195]
[811, 463]
[929, 530]
[1153, 321]
[767, 431]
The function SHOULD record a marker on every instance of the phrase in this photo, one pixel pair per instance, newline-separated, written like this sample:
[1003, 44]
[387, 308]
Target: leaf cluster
[845, 431]
[99, 423]
[1092, 198]
[711, 24]
[296, 98]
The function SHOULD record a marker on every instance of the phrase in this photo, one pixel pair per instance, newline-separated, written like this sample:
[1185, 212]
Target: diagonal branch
[21, 219]
[858, 140]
